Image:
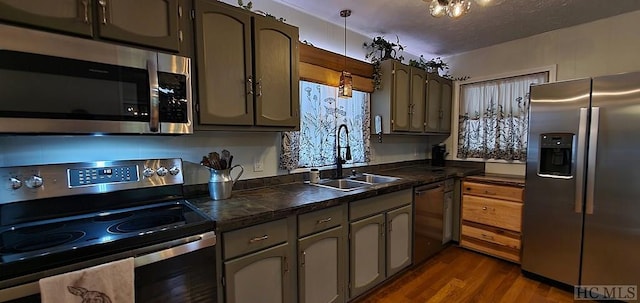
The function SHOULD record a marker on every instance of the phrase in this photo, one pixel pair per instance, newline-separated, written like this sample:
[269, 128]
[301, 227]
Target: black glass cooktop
[31, 240]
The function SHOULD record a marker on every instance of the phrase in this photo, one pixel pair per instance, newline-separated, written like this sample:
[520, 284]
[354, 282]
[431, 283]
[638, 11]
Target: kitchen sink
[341, 184]
[373, 179]
[355, 182]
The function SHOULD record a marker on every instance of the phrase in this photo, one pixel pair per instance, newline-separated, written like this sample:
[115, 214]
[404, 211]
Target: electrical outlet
[258, 164]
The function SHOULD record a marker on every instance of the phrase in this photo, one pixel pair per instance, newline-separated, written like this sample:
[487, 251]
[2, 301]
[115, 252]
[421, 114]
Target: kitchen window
[494, 117]
[321, 112]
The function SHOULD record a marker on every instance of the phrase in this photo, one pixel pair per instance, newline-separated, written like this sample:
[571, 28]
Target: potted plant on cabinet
[435, 65]
[380, 49]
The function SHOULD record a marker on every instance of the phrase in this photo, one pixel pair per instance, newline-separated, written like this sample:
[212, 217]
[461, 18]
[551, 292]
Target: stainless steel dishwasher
[433, 219]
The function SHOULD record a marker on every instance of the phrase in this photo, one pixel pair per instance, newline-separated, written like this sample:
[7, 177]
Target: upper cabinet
[247, 69]
[412, 101]
[400, 100]
[151, 23]
[438, 109]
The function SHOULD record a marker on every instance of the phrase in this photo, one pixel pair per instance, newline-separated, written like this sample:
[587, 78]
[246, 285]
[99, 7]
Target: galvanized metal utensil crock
[221, 182]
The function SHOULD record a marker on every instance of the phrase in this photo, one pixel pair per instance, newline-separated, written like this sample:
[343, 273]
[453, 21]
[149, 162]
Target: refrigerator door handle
[591, 164]
[580, 155]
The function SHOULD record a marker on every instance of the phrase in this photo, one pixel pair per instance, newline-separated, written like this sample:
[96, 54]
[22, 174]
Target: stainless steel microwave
[56, 84]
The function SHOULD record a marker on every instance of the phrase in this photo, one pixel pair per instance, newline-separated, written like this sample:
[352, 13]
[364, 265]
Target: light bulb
[458, 8]
[437, 10]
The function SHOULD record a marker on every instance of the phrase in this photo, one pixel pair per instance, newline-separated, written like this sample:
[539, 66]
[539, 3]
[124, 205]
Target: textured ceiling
[481, 27]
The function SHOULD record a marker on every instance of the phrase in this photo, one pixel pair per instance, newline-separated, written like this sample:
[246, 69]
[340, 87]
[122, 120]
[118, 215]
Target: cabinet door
[445, 106]
[367, 255]
[151, 23]
[447, 230]
[259, 277]
[417, 109]
[276, 60]
[223, 53]
[401, 97]
[321, 269]
[71, 16]
[434, 96]
[399, 236]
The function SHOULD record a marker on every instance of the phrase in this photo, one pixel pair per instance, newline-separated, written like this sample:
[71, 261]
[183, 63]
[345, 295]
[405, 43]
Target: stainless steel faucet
[339, 160]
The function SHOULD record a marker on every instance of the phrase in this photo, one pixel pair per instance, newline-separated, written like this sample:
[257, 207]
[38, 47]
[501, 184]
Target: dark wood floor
[460, 275]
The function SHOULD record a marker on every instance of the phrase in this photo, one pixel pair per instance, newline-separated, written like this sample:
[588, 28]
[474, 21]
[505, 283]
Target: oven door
[183, 273]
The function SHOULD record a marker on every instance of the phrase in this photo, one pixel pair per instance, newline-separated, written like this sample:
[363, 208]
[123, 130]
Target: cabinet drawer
[490, 248]
[250, 239]
[510, 193]
[320, 220]
[496, 236]
[499, 213]
[370, 206]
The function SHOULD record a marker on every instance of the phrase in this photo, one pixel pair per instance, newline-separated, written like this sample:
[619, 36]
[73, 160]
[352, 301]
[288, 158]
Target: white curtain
[321, 113]
[494, 117]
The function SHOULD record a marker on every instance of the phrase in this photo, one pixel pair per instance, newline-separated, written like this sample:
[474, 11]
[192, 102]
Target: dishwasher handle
[430, 187]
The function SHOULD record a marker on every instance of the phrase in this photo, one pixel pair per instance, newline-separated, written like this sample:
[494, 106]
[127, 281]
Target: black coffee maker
[438, 153]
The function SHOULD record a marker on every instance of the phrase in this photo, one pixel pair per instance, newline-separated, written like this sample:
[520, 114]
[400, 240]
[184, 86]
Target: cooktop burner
[44, 238]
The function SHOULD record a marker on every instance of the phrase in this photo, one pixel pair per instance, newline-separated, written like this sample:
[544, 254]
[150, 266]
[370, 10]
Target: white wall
[603, 47]
[28, 150]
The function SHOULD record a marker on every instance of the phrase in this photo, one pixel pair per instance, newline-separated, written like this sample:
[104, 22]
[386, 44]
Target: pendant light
[345, 89]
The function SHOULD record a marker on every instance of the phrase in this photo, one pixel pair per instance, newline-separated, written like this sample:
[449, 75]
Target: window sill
[326, 167]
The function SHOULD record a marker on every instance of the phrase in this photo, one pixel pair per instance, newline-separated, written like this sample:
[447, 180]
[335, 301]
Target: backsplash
[245, 146]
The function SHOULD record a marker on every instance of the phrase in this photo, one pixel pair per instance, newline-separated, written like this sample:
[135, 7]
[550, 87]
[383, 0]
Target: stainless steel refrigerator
[581, 217]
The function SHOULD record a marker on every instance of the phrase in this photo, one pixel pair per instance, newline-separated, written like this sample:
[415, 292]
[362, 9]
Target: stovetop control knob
[162, 171]
[148, 172]
[174, 171]
[34, 181]
[15, 183]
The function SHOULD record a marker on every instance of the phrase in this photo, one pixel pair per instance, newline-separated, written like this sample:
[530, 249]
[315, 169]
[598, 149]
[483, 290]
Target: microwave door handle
[154, 113]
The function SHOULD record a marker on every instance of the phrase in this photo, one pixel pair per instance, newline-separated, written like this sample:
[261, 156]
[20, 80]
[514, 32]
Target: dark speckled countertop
[252, 206]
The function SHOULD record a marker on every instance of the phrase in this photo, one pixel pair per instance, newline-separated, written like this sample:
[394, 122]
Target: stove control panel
[22, 183]
[101, 175]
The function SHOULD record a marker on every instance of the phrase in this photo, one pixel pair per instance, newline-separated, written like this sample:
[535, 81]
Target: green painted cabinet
[380, 239]
[401, 100]
[321, 267]
[259, 277]
[151, 23]
[438, 100]
[247, 69]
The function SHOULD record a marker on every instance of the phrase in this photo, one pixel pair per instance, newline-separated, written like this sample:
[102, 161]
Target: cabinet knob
[484, 208]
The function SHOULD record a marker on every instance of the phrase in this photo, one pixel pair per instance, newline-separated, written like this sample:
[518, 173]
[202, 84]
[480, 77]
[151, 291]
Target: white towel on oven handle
[107, 283]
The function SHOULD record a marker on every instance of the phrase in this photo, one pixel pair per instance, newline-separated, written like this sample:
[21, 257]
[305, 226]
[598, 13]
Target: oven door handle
[142, 257]
[202, 241]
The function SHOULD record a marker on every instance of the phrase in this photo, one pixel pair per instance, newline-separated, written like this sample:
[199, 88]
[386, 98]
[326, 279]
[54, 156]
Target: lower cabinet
[257, 263]
[259, 277]
[322, 255]
[380, 231]
[399, 249]
[367, 255]
[321, 267]
[341, 252]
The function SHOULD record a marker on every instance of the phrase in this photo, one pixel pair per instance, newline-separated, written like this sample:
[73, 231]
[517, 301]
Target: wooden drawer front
[370, 206]
[490, 248]
[496, 236]
[254, 238]
[320, 220]
[510, 193]
[503, 214]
